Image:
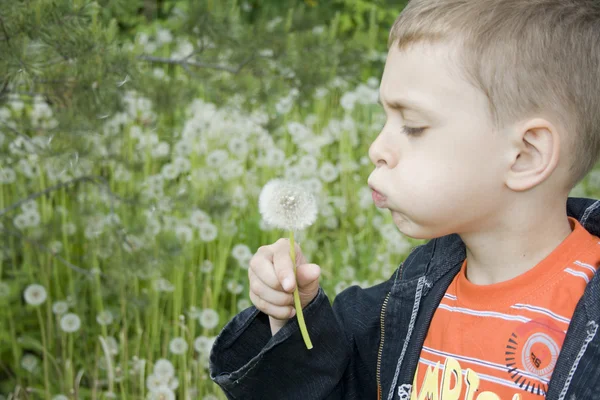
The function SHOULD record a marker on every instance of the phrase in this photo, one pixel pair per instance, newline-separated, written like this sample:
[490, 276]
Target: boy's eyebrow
[400, 104]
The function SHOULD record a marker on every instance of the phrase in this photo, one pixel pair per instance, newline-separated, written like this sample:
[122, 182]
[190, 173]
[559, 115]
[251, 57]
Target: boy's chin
[410, 228]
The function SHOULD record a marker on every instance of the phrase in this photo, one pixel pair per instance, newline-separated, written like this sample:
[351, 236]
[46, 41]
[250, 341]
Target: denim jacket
[367, 343]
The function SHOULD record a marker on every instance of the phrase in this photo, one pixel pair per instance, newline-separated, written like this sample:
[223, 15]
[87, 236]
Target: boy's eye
[412, 131]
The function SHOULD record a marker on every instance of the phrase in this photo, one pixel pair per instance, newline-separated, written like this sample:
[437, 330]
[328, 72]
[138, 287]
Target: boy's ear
[535, 152]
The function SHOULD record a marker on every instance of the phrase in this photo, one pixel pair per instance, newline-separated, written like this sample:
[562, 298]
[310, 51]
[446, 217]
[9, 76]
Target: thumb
[308, 277]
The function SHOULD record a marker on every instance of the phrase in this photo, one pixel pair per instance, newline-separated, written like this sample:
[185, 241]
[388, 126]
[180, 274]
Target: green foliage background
[105, 202]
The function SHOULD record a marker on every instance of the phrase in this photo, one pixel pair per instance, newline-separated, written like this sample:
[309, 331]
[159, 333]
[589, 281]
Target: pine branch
[44, 248]
[23, 136]
[88, 178]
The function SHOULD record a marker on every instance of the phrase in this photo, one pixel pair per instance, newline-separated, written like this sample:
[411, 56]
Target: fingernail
[287, 284]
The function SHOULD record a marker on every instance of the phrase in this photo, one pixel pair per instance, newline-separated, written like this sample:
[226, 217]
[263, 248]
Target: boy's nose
[380, 153]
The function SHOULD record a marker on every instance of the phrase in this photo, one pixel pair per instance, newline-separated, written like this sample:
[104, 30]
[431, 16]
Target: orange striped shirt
[502, 341]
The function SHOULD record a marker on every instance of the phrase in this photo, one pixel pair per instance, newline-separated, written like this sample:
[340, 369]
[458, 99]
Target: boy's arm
[247, 362]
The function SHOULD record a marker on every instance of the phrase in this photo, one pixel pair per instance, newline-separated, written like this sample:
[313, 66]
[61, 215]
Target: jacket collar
[443, 255]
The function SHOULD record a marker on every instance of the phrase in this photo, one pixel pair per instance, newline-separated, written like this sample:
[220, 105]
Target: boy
[493, 116]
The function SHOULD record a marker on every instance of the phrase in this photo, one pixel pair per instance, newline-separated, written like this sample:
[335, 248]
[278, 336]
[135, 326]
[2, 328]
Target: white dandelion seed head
[238, 146]
[203, 344]
[309, 164]
[169, 172]
[173, 383]
[216, 158]
[161, 150]
[138, 366]
[29, 362]
[29, 206]
[293, 173]
[199, 217]
[178, 345]
[7, 175]
[33, 218]
[200, 344]
[112, 344]
[164, 369]
[35, 294]
[313, 185]
[286, 205]
[194, 313]
[163, 285]
[206, 266]
[104, 318]
[60, 307]
[234, 287]
[242, 304]
[182, 164]
[60, 397]
[348, 100]
[184, 233]
[273, 157]
[154, 382]
[20, 221]
[70, 323]
[328, 172]
[209, 318]
[241, 252]
[55, 246]
[164, 36]
[161, 393]
[208, 232]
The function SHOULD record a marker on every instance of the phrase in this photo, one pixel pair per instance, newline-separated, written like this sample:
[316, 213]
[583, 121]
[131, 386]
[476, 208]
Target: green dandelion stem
[297, 302]
[45, 357]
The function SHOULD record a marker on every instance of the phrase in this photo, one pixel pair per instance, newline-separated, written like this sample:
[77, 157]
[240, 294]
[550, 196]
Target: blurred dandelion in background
[35, 294]
[60, 307]
[104, 318]
[178, 346]
[30, 362]
[70, 323]
[209, 318]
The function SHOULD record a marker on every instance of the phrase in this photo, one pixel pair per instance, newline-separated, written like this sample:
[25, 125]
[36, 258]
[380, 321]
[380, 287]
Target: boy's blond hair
[527, 56]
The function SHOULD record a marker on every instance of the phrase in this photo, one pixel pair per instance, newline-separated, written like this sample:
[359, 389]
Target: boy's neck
[512, 249]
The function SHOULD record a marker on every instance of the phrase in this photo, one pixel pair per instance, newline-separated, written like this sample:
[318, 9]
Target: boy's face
[448, 178]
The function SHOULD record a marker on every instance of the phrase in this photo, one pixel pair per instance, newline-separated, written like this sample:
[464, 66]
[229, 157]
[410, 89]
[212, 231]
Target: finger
[272, 310]
[266, 252]
[267, 278]
[263, 269]
[284, 270]
[284, 244]
[275, 297]
[308, 277]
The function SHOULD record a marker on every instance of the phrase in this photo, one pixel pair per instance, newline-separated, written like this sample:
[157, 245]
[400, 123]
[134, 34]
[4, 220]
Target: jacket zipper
[382, 319]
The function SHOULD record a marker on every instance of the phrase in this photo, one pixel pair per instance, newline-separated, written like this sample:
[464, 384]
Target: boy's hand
[269, 272]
